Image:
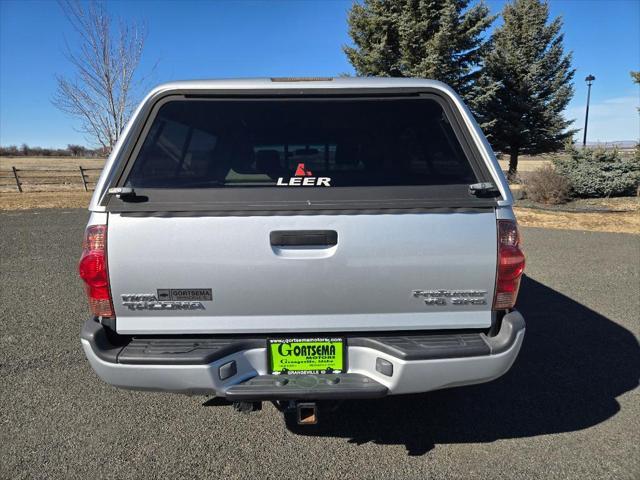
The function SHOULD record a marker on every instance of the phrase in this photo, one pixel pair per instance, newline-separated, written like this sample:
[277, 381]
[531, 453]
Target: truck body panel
[365, 282]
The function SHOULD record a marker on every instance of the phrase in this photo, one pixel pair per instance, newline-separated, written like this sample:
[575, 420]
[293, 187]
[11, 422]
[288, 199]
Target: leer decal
[304, 178]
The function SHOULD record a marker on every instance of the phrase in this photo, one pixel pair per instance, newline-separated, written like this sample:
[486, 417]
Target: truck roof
[301, 82]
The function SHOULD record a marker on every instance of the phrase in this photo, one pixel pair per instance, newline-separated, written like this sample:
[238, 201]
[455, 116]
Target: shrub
[10, 151]
[77, 150]
[599, 173]
[547, 186]
[72, 150]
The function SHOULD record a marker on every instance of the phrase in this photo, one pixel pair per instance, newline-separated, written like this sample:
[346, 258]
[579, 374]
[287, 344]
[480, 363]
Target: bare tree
[100, 93]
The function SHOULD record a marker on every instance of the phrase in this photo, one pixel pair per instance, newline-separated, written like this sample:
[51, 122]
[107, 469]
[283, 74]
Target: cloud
[610, 120]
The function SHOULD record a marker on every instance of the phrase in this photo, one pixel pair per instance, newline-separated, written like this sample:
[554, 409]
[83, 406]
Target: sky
[228, 39]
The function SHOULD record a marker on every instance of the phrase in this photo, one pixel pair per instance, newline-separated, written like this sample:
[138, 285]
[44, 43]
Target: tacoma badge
[148, 301]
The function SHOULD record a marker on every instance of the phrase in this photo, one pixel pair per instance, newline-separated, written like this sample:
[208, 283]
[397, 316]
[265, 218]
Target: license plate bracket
[306, 356]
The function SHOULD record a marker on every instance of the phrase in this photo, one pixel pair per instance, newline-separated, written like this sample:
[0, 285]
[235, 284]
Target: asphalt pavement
[569, 407]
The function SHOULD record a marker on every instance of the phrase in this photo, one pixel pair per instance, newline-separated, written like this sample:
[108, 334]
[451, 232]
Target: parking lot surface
[569, 407]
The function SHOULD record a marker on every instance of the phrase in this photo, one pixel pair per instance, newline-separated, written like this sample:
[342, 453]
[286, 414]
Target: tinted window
[264, 143]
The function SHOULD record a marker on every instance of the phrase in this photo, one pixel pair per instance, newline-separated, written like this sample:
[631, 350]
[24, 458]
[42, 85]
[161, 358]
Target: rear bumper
[237, 368]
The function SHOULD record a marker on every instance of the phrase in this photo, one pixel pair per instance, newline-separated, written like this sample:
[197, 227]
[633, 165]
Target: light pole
[589, 81]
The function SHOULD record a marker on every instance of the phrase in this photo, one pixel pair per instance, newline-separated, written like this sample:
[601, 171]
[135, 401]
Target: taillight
[510, 265]
[93, 270]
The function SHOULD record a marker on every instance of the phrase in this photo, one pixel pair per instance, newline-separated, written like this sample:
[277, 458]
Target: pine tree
[437, 39]
[534, 78]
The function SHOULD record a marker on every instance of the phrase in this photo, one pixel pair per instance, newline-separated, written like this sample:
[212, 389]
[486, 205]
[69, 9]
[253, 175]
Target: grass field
[72, 196]
[70, 180]
[526, 163]
[48, 174]
[45, 163]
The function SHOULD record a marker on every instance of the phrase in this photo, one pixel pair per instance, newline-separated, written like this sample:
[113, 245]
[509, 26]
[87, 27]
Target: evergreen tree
[534, 77]
[437, 39]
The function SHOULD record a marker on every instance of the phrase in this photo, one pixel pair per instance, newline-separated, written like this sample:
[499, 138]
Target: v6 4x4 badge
[453, 297]
[304, 178]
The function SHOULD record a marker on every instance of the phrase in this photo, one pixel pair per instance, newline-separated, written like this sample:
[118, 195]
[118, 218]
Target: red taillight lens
[93, 270]
[510, 265]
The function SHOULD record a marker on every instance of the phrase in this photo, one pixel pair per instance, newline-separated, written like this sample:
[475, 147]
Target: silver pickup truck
[301, 239]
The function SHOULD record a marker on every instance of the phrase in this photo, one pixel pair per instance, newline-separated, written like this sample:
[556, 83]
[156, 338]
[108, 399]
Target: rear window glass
[300, 143]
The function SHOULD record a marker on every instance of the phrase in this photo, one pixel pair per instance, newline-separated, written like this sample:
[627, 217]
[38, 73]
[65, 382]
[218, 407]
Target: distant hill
[618, 143]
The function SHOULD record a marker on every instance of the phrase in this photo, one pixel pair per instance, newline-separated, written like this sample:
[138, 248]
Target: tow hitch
[307, 413]
[295, 412]
[299, 413]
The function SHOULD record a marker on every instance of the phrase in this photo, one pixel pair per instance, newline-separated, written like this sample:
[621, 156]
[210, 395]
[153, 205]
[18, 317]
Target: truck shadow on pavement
[573, 364]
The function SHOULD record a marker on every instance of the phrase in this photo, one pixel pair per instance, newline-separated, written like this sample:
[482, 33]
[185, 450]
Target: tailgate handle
[303, 238]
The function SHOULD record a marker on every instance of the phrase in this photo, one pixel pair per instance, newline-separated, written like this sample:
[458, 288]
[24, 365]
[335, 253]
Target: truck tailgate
[363, 279]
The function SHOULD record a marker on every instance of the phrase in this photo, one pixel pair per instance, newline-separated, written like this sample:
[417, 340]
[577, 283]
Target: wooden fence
[50, 179]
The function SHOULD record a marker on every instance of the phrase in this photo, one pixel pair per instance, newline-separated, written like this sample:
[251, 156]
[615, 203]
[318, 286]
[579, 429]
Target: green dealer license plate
[306, 355]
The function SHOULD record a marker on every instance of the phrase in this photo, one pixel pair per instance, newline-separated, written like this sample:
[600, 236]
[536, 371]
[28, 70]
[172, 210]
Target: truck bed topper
[264, 88]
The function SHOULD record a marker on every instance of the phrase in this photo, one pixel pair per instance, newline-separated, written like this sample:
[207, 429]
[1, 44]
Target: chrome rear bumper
[238, 368]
